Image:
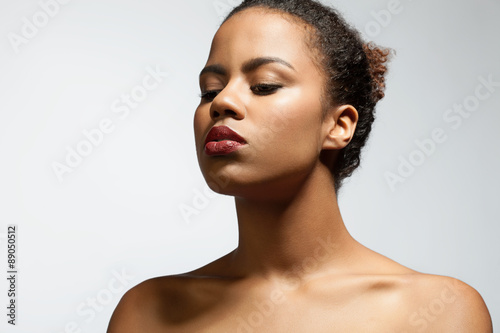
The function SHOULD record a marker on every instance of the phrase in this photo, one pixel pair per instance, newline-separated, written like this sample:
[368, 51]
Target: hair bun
[377, 58]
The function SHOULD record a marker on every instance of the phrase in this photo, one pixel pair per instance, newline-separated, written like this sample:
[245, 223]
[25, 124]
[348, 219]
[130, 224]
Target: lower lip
[222, 147]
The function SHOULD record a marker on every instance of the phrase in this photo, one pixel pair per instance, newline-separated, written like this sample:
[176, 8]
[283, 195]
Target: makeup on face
[222, 140]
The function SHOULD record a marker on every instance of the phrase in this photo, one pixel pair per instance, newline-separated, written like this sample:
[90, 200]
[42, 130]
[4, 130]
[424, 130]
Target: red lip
[222, 140]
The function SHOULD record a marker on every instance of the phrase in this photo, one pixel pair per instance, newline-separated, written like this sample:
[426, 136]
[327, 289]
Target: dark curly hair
[354, 70]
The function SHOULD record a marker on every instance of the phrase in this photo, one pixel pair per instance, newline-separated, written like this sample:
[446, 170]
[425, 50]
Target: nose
[227, 104]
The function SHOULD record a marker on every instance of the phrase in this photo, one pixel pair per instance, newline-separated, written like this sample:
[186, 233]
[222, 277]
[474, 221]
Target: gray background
[120, 209]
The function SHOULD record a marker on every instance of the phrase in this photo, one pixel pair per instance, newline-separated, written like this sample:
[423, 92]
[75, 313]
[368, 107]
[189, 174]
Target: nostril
[230, 112]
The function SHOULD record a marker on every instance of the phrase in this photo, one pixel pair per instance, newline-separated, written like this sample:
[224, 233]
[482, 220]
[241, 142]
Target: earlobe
[340, 126]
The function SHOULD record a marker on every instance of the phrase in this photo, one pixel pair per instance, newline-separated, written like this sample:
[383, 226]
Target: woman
[287, 102]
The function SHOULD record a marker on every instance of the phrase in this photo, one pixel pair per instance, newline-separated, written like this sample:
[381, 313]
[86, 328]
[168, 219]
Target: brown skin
[296, 268]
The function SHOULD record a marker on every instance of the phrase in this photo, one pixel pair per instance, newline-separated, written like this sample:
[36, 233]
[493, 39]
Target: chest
[323, 314]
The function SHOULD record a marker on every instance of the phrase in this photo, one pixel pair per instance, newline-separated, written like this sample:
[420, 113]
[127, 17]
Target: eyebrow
[217, 69]
[255, 63]
[248, 66]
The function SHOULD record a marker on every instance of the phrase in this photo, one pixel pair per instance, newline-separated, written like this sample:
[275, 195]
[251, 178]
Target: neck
[300, 236]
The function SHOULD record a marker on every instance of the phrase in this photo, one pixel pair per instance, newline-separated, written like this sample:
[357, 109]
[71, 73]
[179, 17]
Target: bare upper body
[387, 298]
[296, 268]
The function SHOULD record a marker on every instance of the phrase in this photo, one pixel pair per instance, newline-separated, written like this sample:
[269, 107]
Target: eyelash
[262, 89]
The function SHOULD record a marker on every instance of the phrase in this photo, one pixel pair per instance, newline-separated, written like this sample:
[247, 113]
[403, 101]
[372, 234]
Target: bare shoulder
[426, 302]
[445, 304]
[138, 309]
[166, 303]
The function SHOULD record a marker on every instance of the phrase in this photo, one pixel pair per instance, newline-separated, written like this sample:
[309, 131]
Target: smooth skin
[296, 267]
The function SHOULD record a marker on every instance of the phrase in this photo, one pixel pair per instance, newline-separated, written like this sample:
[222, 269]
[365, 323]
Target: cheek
[199, 123]
[296, 118]
[290, 131]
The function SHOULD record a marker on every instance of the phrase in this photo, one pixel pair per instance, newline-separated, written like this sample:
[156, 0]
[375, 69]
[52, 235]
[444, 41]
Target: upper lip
[223, 133]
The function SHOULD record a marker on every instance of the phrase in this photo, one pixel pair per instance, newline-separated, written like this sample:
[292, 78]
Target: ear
[339, 126]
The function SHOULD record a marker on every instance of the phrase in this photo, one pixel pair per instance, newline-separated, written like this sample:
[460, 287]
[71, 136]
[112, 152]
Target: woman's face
[261, 81]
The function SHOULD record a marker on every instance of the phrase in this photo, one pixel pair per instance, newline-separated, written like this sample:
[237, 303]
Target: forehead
[257, 32]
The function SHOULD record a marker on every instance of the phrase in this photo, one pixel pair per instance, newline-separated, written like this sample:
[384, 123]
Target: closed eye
[262, 89]
[265, 89]
[209, 95]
